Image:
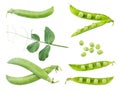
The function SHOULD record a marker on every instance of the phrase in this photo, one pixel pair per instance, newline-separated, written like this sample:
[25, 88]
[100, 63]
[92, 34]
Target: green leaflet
[35, 37]
[44, 53]
[49, 36]
[33, 47]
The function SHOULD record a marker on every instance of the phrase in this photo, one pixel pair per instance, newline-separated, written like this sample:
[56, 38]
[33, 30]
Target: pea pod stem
[38, 41]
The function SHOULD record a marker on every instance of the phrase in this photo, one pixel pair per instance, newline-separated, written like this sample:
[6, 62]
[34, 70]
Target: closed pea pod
[90, 66]
[32, 14]
[29, 78]
[40, 73]
[91, 81]
[88, 15]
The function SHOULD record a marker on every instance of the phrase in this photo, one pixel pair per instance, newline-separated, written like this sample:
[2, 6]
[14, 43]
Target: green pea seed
[86, 48]
[95, 81]
[80, 14]
[81, 80]
[91, 50]
[83, 67]
[97, 46]
[88, 80]
[104, 81]
[86, 28]
[93, 25]
[97, 17]
[105, 63]
[91, 44]
[83, 54]
[98, 64]
[81, 42]
[89, 16]
[99, 52]
[90, 66]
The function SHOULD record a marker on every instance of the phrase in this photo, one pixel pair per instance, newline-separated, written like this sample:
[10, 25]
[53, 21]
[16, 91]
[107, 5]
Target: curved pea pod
[90, 80]
[90, 27]
[32, 14]
[31, 77]
[88, 15]
[39, 72]
[90, 66]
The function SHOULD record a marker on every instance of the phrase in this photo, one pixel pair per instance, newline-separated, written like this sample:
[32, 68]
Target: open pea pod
[44, 53]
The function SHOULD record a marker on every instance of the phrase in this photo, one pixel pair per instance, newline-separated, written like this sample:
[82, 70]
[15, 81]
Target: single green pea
[95, 81]
[83, 54]
[83, 67]
[81, 42]
[97, 17]
[93, 25]
[86, 28]
[80, 79]
[98, 64]
[105, 63]
[104, 81]
[91, 50]
[91, 44]
[99, 52]
[90, 66]
[88, 80]
[80, 14]
[97, 46]
[89, 16]
[86, 48]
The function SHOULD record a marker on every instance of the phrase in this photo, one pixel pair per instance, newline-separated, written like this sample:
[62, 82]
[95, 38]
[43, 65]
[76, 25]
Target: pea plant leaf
[33, 47]
[49, 36]
[44, 53]
[35, 37]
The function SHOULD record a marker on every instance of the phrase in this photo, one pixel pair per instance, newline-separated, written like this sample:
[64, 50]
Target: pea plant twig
[49, 37]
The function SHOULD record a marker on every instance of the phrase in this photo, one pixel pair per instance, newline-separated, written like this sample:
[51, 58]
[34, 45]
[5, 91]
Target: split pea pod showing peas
[90, 66]
[89, 27]
[39, 72]
[29, 78]
[88, 15]
[32, 14]
[91, 81]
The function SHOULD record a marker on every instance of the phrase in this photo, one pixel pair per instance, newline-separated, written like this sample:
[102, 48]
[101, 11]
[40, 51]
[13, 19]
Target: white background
[63, 23]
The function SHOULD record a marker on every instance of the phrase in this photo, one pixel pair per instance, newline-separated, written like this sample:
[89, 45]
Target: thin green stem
[39, 41]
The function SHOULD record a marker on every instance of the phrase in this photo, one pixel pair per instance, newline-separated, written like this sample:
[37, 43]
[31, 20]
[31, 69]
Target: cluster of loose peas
[91, 48]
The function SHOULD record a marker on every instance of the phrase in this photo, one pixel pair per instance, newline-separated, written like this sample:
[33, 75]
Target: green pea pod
[39, 72]
[90, 66]
[30, 78]
[89, 27]
[91, 81]
[32, 14]
[88, 15]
